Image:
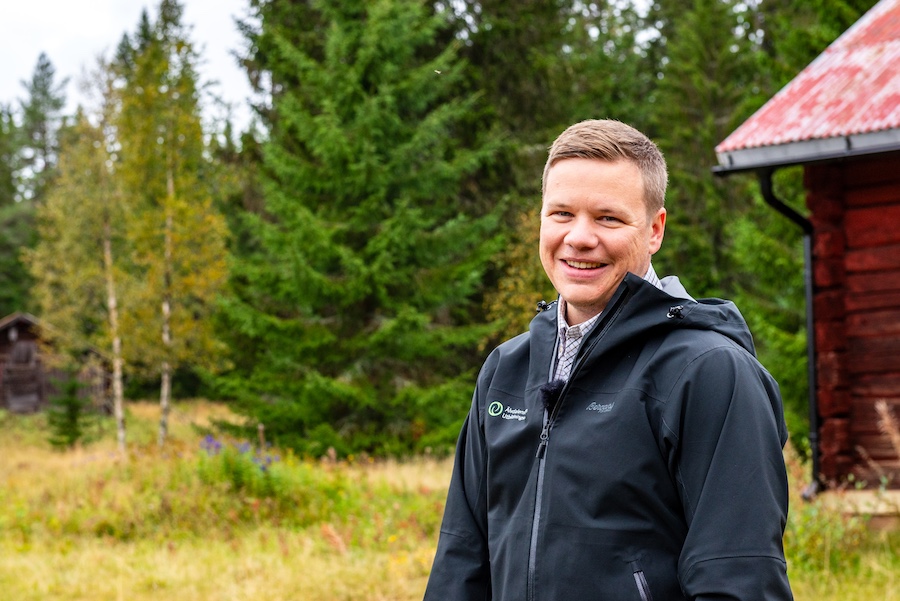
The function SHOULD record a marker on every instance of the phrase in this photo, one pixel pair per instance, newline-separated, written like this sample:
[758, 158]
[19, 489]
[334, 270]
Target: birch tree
[177, 235]
[77, 272]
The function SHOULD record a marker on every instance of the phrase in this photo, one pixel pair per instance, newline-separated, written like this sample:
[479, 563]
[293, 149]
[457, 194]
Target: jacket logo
[601, 408]
[496, 409]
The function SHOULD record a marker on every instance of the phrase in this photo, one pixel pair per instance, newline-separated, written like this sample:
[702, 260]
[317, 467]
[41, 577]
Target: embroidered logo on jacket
[601, 408]
[497, 409]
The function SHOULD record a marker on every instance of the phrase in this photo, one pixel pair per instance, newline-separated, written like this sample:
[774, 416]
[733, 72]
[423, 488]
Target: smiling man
[628, 446]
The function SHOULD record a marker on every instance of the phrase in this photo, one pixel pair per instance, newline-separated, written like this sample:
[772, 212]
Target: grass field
[214, 519]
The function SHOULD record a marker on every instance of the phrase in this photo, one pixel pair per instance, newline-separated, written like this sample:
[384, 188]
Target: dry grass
[362, 557]
[424, 475]
[260, 564]
[234, 561]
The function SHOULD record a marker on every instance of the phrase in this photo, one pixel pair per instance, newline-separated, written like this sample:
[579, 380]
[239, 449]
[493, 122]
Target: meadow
[212, 518]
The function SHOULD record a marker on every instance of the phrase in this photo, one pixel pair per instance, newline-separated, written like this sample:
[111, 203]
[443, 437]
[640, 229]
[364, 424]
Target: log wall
[855, 206]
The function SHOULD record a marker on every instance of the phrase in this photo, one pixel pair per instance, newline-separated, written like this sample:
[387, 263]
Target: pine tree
[353, 316]
[178, 235]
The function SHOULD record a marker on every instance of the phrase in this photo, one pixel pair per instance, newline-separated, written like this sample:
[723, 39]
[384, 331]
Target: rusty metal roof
[846, 102]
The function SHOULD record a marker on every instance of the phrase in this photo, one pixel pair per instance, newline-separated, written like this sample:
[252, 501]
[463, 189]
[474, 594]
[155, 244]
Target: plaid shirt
[568, 341]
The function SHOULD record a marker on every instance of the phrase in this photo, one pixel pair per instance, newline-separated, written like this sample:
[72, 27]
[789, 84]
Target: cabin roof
[845, 103]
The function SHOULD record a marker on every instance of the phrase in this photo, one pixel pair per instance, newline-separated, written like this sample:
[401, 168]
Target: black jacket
[657, 474]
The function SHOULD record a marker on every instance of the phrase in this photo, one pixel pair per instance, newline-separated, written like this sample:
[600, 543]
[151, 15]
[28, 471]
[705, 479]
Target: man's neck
[565, 317]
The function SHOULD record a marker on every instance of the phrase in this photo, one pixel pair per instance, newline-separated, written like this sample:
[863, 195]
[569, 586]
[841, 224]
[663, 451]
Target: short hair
[610, 140]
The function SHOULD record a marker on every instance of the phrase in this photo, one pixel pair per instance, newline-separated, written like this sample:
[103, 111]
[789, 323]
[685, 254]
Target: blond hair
[610, 140]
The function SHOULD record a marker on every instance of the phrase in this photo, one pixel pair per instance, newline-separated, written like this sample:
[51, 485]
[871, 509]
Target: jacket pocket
[640, 581]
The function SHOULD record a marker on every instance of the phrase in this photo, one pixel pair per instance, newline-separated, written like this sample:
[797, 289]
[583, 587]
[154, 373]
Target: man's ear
[657, 230]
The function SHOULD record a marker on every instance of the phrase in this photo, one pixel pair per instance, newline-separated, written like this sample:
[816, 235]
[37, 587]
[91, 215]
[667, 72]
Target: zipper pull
[545, 438]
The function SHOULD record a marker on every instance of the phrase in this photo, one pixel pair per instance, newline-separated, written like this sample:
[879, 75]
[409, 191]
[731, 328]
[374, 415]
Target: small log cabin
[840, 119]
[28, 374]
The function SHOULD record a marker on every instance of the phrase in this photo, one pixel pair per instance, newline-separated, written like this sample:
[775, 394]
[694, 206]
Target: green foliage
[818, 539]
[382, 212]
[769, 289]
[819, 536]
[703, 83]
[174, 231]
[207, 491]
[67, 414]
[359, 290]
[17, 232]
[280, 486]
[797, 31]
[9, 156]
[80, 210]
[41, 123]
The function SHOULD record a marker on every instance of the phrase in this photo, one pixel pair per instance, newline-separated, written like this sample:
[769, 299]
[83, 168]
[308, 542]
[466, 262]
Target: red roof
[852, 88]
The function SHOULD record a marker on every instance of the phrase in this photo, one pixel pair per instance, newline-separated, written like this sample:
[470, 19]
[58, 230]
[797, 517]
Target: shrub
[818, 535]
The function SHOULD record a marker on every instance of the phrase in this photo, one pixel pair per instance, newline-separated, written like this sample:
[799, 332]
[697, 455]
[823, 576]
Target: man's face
[595, 229]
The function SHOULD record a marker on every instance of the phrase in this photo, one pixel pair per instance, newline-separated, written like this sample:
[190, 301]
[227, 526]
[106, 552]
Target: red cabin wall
[855, 206]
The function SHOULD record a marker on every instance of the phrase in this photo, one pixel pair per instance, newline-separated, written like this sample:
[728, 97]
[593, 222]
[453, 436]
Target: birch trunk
[112, 305]
[166, 368]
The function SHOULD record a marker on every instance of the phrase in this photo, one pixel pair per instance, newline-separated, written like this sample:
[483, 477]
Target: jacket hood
[714, 314]
[640, 309]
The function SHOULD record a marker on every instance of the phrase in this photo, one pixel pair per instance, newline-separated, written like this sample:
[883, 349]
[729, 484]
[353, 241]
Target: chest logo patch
[496, 409]
[601, 408]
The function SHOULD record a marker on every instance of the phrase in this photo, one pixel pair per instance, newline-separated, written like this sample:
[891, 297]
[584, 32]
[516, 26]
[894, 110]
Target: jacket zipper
[542, 451]
[640, 580]
[538, 497]
[643, 588]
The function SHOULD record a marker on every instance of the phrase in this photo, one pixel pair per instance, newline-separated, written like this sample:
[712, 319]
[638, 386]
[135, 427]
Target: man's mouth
[583, 265]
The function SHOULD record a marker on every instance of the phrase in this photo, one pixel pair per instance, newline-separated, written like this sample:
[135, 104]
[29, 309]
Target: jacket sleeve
[727, 435]
[461, 569]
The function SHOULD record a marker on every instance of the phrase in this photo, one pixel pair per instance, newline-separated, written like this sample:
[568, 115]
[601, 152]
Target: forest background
[338, 271]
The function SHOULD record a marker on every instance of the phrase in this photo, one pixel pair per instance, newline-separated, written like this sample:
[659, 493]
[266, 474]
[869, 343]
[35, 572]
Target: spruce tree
[355, 315]
[42, 120]
[9, 156]
[16, 219]
[68, 412]
[28, 152]
[709, 68]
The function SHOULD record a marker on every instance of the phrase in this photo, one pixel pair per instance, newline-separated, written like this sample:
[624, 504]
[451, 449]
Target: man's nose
[582, 233]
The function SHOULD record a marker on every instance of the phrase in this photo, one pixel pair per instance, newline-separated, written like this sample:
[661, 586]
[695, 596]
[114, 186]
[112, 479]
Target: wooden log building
[29, 372]
[840, 119]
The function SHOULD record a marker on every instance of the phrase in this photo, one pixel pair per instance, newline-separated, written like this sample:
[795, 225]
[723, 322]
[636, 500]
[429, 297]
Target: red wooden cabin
[840, 119]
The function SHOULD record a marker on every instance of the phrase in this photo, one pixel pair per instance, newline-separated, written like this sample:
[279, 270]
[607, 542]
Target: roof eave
[808, 151]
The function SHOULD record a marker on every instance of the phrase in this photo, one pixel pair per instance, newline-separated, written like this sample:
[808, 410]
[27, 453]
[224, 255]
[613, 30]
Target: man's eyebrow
[561, 203]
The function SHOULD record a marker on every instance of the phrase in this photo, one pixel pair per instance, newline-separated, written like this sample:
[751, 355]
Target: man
[627, 447]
